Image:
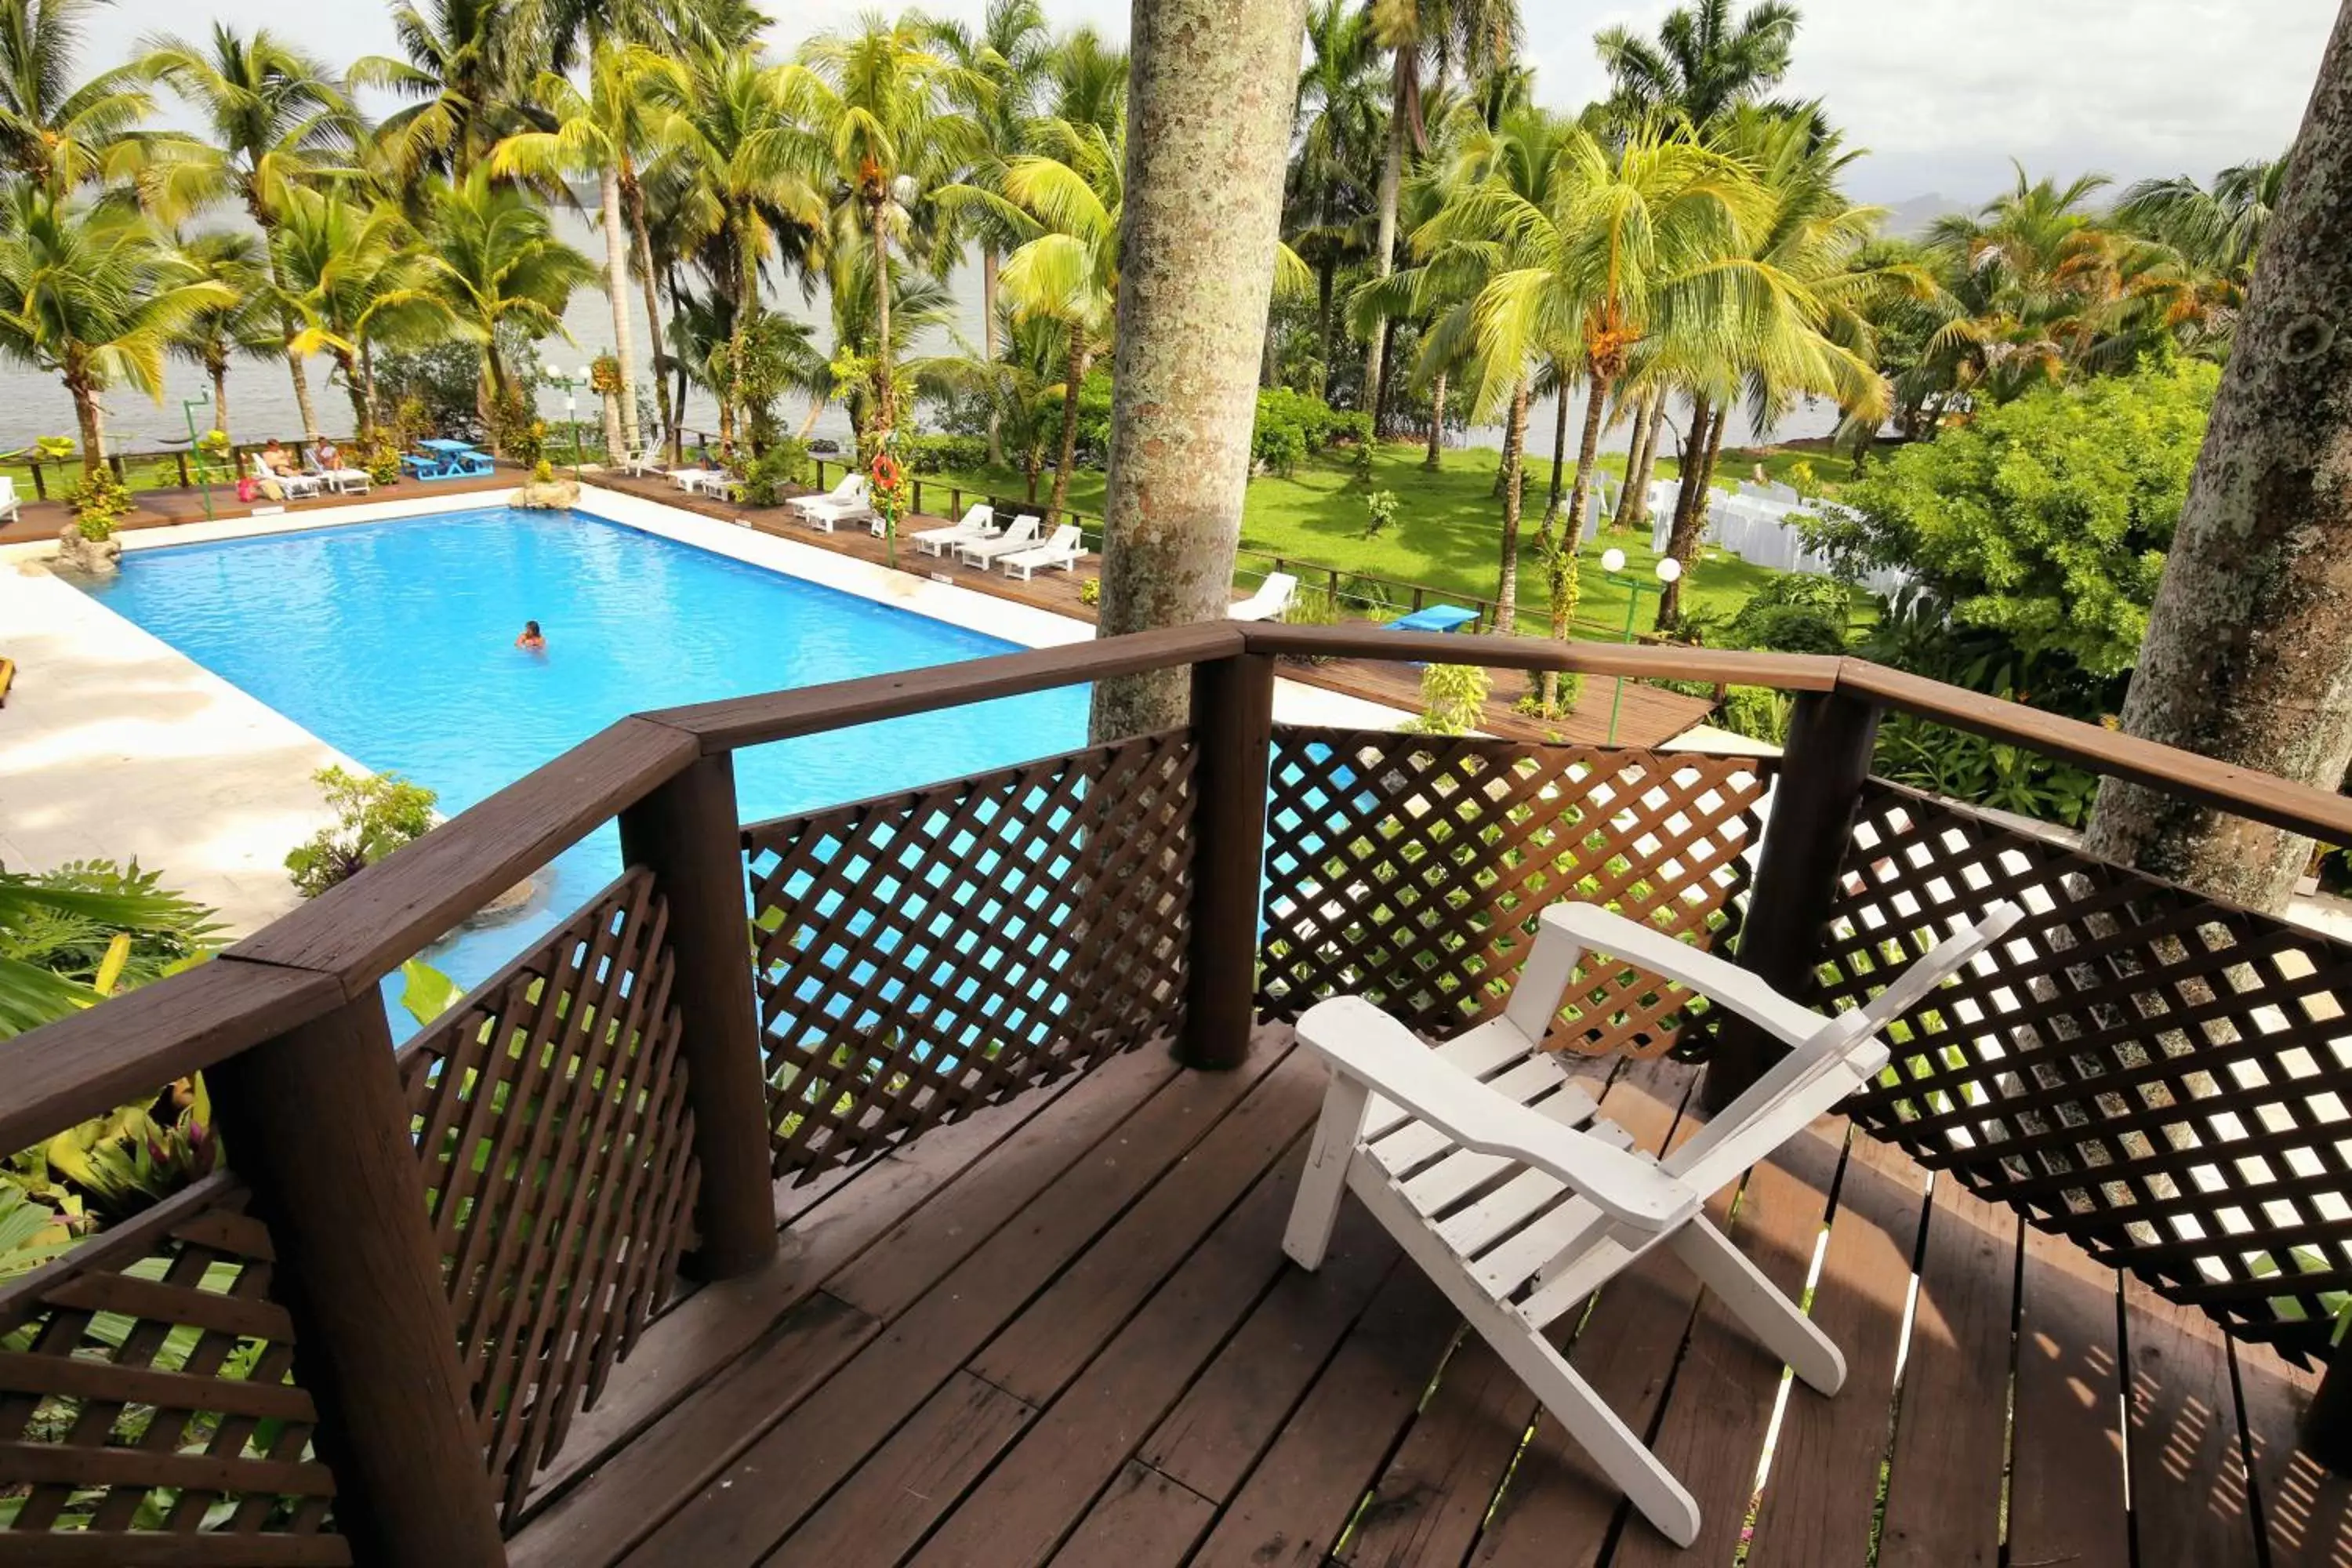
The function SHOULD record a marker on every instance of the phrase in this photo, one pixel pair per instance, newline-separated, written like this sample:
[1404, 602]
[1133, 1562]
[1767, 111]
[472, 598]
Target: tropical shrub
[1090, 591]
[432, 390]
[1453, 698]
[2044, 520]
[943, 454]
[86, 930]
[382, 460]
[1290, 425]
[764, 476]
[1798, 613]
[518, 431]
[98, 502]
[374, 815]
[542, 472]
[1380, 511]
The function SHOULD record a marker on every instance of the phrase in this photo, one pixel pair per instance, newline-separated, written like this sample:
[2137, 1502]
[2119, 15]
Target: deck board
[1064, 1333]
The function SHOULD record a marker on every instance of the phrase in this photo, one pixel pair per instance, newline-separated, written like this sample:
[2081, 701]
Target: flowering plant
[886, 490]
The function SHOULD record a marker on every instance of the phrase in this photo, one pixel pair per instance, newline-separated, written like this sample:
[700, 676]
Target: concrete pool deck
[115, 745]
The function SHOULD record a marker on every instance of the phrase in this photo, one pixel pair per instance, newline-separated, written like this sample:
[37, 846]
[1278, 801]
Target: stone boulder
[556, 495]
[90, 557]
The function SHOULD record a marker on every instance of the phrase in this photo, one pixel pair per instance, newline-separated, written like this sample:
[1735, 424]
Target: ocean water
[395, 644]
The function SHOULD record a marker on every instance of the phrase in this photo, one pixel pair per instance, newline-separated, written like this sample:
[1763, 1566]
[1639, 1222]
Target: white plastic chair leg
[1757, 1303]
[1325, 1181]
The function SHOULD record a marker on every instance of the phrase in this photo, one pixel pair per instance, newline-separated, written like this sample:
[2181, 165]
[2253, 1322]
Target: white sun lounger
[979, 523]
[1270, 603]
[1494, 1175]
[294, 487]
[1062, 551]
[642, 461]
[850, 491]
[1022, 534]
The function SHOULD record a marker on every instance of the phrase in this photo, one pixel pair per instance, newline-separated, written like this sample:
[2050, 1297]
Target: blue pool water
[393, 643]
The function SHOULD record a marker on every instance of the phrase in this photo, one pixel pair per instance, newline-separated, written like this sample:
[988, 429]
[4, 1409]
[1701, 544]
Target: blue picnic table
[448, 459]
[1436, 618]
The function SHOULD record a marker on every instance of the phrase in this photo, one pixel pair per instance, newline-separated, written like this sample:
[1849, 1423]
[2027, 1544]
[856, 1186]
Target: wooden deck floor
[1064, 1331]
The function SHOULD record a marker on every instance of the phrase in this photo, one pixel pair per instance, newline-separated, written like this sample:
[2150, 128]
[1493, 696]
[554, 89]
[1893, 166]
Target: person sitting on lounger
[325, 453]
[533, 639]
[278, 458]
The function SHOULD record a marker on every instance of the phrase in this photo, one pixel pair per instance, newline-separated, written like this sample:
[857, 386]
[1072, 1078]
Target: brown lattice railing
[147, 1395]
[2164, 1079]
[1411, 870]
[925, 953]
[548, 1110]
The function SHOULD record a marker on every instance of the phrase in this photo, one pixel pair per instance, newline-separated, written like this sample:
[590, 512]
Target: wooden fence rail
[459, 1243]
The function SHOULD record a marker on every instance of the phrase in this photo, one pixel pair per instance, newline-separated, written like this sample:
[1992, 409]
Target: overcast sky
[1942, 92]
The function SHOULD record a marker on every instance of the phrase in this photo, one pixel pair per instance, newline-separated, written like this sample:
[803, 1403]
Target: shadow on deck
[1064, 1331]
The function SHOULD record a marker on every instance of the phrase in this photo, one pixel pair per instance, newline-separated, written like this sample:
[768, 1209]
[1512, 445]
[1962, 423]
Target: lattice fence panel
[2165, 1079]
[925, 953]
[147, 1391]
[1411, 870]
[550, 1111]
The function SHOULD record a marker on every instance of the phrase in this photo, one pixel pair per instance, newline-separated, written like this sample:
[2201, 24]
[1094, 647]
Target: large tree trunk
[1325, 277]
[219, 372]
[1436, 421]
[1641, 463]
[625, 342]
[634, 200]
[1080, 356]
[1384, 238]
[1515, 446]
[1691, 506]
[746, 290]
[1558, 447]
[92, 420]
[1210, 94]
[2248, 657]
[988, 265]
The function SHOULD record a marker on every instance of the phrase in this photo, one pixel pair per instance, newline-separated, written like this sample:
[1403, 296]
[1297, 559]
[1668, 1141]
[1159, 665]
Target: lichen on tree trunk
[1211, 89]
[2248, 657]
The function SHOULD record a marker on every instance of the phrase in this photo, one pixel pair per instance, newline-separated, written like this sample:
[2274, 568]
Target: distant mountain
[1909, 220]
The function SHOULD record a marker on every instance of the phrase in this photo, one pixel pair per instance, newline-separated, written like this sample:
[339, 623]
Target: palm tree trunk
[219, 369]
[1436, 421]
[2249, 646]
[92, 420]
[886, 391]
[1388, 382]
[677, 368]
[1384, 240]
[1587, 455]
[633, 198]
[1634, 508]
[746, 290]
[1079, 356]
[988, 265]
[625, 342]
[808, 420]
[1325, 277]
[1507, 590]
[1196, 274]
[1691, 509]
[355, 388]
[367, 390]
[1503, 470]
[1559, 446]
[294, 366]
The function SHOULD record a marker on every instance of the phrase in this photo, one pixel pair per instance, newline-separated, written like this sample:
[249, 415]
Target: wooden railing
[423, 1262]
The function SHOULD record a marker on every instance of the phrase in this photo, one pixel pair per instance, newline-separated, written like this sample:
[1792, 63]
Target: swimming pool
[393, 643]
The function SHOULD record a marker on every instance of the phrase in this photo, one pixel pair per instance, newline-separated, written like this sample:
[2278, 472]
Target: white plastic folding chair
[1494, 1174]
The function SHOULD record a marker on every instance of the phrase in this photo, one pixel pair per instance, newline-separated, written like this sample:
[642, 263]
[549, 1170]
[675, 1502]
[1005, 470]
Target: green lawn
[1447, 535]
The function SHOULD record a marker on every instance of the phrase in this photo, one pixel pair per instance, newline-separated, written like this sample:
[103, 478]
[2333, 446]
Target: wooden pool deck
[1064, 1331]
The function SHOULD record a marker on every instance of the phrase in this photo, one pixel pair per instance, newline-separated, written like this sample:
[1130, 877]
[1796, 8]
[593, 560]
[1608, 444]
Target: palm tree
[590, 134]
[1702, 64]
[1009, 53]
[884, 104]
[52, 128]
[89, 294]
[1476, 35]
[747, 172]
[467, 62]
[1085, 80]
[354, 276]
[492, 260]
[1016, 383]
[276, 119]
[1342, 121]
[1070, 199]
[244, 325]
[2219, 229]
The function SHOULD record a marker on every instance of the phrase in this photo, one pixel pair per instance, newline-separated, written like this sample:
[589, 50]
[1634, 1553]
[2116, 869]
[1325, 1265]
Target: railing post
[182, 459]
[918, 497]
[820, 473]
[955, 501]
[687, 834]
[1822, 768]
[316, 1121]
[1232, 731]
[40, 485]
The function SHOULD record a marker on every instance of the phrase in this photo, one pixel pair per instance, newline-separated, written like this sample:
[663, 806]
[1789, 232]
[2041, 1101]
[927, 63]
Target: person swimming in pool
[533, 639]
